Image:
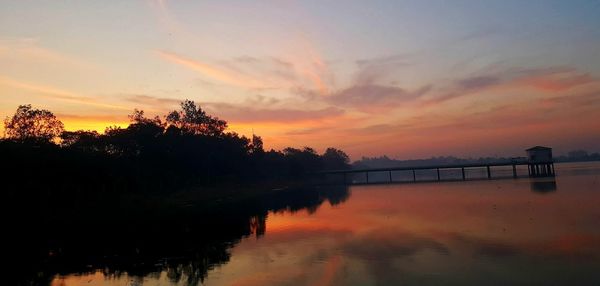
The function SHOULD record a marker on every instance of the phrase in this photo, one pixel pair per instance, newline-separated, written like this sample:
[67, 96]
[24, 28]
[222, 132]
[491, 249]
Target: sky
[408, 79]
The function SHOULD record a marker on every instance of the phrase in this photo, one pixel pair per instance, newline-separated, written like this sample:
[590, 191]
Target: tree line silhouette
[187, 148]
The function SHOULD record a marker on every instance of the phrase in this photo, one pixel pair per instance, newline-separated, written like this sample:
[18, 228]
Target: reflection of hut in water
[543, 186]
[540, 161]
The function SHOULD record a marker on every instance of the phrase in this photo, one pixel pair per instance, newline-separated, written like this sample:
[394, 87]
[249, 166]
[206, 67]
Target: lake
[543, 231]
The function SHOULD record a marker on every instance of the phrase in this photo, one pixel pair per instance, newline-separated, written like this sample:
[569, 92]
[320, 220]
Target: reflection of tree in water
[185, 246]
[258, 225]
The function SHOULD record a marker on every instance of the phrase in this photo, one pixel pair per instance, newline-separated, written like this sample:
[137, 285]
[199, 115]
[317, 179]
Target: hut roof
[536, 148]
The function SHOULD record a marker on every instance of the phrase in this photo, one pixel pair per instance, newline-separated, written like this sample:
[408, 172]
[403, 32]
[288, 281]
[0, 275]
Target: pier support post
[489, 172]
[438, 174]
[514, 171]
[414, 176]
[545, 169]
[367, 177]
[390, 176]
[463, 173]
[539, 170]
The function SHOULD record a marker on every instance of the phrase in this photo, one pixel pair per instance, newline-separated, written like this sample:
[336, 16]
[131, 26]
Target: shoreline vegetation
[187, 154]
[163, 194]
[185, 150]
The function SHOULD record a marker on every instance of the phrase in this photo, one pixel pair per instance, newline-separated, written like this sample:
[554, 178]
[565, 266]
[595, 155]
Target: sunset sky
[409, 79]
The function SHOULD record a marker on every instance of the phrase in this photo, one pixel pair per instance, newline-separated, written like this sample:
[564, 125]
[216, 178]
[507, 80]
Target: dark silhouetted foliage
[188, 149]
[192, 119]
[335, 159]
[29, 124]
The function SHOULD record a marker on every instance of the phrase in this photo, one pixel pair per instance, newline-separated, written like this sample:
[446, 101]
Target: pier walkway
[535, 169]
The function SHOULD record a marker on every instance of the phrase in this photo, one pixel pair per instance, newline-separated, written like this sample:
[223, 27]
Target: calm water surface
[499, 232]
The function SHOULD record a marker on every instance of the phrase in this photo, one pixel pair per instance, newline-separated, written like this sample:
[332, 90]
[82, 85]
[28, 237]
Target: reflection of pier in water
[539, 164]
[543, 186]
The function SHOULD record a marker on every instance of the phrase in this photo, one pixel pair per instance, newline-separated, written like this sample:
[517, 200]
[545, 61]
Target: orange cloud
[554, 84]
[551, 79]
[315, 69]
[27, 49]
[213, 72]
[245, 114]
[56, 94]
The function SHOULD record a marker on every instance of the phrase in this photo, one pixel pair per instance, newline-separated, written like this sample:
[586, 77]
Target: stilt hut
[540, 161]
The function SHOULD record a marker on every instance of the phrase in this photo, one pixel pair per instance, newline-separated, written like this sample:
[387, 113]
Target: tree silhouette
[193, 120]
[29, 124]
[335, 159]
[188, 149]
[81, 139]
[257, 145]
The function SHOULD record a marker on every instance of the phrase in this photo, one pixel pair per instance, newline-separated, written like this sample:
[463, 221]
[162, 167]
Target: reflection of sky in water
[451, 233]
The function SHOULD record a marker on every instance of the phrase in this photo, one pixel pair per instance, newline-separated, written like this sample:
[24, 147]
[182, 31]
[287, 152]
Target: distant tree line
[578, 156]
[186, 148]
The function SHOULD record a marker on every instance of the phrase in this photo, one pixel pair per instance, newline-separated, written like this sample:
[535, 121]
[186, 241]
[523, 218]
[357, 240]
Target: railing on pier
[535, 169]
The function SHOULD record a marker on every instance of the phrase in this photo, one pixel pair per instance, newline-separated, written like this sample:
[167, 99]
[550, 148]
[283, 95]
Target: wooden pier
[535, 169]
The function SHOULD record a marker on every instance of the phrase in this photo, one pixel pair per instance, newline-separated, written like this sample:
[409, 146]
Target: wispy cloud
[153, 101]
[373, 98]
[479, 34]
[312, 66]
[31, 50]
[266, 73]
[368, 92]
[239, 113]
[477, 82]
[309, 131]
[254, 109]
[589, 99]
[547, 80]
[56, 94]
[556, 82]
[277, 71]
[373, 71]
[214, 72]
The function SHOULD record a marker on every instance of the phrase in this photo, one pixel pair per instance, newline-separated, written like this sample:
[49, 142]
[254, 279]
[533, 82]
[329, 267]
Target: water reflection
[178, 249]
[479, 232]
[543, 187]
[459, 233]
